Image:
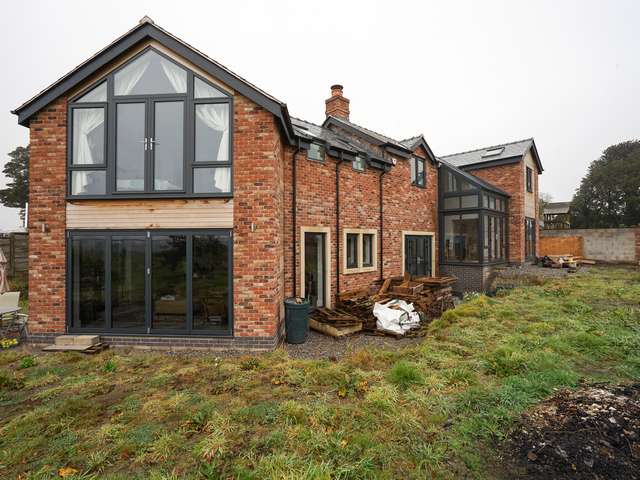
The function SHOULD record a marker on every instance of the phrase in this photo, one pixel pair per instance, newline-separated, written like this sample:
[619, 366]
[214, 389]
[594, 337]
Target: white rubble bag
[396, 316]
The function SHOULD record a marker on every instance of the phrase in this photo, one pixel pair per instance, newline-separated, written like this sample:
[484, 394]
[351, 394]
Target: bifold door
[150, 282]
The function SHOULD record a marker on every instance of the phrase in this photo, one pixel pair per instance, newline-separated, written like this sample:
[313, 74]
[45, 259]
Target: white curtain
[176, 75]
[222, 179]
[127, 78]
[85, 121]
[216, 117]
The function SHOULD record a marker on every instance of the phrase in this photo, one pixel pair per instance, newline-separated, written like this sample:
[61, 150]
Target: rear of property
[174, 203]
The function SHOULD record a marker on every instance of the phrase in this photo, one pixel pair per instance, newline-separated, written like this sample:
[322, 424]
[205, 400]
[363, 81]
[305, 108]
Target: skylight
[493, 151]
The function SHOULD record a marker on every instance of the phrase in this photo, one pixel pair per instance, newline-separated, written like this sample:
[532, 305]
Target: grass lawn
[436, 410]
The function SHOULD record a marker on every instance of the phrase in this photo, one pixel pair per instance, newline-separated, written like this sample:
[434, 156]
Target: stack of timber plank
[430, 296]
[565, 261]
[76, 343]
[336, 323]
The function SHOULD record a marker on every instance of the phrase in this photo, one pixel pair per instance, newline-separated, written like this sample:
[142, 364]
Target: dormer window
[316, 152]
[358, 163]
[151, 127]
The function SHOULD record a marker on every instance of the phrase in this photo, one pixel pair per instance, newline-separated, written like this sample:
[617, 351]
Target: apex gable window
[151, 128]
[529, 180]
[418, 172]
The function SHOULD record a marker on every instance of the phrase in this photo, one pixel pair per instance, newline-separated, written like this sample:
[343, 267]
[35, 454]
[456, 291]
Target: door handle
[145, 143]
[152, 142]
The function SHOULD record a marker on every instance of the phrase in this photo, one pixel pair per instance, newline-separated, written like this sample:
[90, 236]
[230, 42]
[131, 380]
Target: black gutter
[293, 220]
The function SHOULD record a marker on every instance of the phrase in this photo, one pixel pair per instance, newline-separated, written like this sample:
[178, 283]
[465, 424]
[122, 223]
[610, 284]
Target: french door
[315, 275]
[417, 255]
[150, 145]
[150, 282]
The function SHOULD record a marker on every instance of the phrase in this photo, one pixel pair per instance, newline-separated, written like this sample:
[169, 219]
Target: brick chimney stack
[337, 105]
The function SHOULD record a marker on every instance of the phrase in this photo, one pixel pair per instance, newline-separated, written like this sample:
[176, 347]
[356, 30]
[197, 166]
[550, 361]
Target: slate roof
[311, 131]
[383, 139]
[556, 208]
[411, 143]
[478, 156]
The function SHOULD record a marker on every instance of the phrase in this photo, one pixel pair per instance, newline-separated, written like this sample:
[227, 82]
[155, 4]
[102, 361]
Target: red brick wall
[47, 189]
[408, 208]
[405, 207]
[258, 202]
[510, 178]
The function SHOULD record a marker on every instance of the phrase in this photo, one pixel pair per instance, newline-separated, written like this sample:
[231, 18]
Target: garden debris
[593, 432]
[565, 261]
[335, 323]
[395, 316]
[430, 297]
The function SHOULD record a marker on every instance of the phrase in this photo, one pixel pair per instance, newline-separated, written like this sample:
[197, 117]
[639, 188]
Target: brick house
[172, 202]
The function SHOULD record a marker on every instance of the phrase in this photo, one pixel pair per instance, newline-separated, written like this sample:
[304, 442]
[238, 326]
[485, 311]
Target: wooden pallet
[98, 347]
[334, 331]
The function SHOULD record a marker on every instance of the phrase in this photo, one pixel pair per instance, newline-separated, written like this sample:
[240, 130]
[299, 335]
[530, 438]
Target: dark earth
[590, 433]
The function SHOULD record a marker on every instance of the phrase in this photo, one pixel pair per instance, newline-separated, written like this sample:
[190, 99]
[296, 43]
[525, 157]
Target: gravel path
[319, 346]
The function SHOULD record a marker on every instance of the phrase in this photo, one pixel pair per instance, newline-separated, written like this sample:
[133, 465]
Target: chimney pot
[336, 90]
[337, 105]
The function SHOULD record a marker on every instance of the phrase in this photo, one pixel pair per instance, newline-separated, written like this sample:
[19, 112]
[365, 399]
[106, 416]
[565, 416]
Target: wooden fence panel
[16, 248]
[561, 246]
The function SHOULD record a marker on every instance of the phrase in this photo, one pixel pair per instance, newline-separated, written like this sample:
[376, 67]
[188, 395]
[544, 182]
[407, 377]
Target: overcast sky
[466, 74]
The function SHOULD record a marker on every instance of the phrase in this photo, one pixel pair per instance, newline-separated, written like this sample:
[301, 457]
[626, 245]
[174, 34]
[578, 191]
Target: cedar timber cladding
[144, 214]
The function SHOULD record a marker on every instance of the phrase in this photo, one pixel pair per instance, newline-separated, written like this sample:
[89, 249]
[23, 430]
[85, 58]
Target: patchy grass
[434, 410]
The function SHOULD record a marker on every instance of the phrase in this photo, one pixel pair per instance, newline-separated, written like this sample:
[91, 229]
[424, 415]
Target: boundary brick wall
[604, 244]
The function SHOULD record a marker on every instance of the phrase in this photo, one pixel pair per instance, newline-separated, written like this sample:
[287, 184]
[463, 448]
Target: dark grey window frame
[414, 166]
[503, 219]
[529, 179]
[352, 266]
[371, 251]
[321, 148]
[189, 163]
[482, 212]
[106, 235]
[364, 162]
[530, 237]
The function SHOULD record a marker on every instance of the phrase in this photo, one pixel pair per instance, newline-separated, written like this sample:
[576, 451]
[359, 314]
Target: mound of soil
[590, 433]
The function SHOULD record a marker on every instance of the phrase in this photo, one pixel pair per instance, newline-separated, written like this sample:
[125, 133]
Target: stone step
[80, 340]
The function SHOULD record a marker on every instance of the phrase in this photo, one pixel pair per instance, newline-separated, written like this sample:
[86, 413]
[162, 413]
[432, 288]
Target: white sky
[466, 74]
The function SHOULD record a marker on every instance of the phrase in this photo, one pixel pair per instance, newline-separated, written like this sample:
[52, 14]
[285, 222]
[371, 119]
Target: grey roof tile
[411, 143]
[506, 150]
[378, 136]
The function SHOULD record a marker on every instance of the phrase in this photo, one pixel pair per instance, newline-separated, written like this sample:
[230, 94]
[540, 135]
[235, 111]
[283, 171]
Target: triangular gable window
[204, 90]
[150, 74]
[97, 94]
